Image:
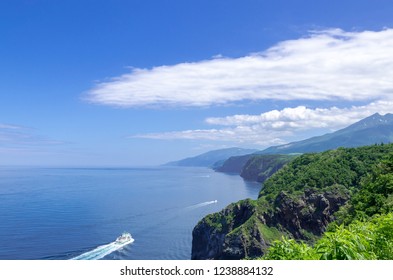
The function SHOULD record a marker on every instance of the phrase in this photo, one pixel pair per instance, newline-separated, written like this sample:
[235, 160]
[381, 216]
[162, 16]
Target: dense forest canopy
[364, 226]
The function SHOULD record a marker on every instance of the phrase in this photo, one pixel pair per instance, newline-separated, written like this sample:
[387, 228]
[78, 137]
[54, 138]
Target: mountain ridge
[259, 166]
[374, 129]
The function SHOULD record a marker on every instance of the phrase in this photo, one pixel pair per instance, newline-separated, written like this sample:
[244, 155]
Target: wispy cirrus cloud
[239, 134]
[14, 137]
[10, 133]
[325, 65]
[9, 126]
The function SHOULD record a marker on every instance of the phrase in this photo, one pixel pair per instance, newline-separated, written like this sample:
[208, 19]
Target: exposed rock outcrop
[246, 229]
[208, 237]
[309, 213]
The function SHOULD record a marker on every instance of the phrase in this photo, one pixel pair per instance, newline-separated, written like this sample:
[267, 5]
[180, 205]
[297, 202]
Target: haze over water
[59, 213]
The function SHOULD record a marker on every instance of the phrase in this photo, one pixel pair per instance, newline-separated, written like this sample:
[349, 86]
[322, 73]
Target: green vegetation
[270, 233]
[226, 222]
[369, 240]
[366, 222]
[336, 204]
[345, 166]
[289, 249]
[376, 194]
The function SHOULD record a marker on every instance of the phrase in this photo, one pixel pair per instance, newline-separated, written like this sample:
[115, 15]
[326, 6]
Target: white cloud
[243, 135]
[326, 65]
[276, 126]
[303, 118]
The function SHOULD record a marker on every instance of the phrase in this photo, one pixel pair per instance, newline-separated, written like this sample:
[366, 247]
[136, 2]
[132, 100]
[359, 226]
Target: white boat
[124, 239]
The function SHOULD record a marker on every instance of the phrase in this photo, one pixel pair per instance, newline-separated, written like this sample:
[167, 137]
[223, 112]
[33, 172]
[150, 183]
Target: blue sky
[126, 83]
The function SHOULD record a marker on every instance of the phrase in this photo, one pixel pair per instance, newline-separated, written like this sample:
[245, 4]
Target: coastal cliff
[254, 167]
[234, 165]
[209, 236]
[244, 229]
[299, 202]
[260, 167]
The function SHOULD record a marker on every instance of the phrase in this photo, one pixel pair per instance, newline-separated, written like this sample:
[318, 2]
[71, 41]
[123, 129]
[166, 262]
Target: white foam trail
[100, 252]
[201, 204]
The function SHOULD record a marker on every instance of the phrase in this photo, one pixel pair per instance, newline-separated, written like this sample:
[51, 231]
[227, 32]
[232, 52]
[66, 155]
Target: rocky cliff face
[246, 229]
[209, 236]
[308, 213]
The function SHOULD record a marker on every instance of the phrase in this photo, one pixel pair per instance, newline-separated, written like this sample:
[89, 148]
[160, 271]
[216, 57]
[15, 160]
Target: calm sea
[59, 213]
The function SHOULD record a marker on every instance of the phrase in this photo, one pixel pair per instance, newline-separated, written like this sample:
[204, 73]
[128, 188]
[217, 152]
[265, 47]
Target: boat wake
[201, 204]
[103, 250]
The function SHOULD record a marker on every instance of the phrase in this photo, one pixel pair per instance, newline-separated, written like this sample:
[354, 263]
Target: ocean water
[65, 213]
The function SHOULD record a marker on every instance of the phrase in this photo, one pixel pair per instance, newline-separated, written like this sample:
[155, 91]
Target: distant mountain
[374, 129]
[209, 159]
[371, 130]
